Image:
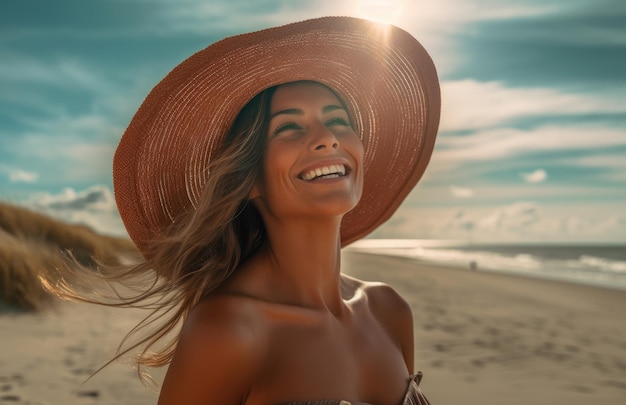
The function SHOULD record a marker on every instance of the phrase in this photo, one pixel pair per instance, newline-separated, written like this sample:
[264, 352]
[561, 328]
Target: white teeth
[329, 172]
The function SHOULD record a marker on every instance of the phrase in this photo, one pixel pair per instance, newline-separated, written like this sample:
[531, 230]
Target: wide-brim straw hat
[383, 75]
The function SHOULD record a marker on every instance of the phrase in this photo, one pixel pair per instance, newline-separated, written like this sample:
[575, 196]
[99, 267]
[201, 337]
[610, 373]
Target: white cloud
[437, 194]
[537, 176]
[77, 148]
[65, 73]
[72, 159]
[450, 14]
[22, 176]
[615, 222]
[517, 216]
[508, 142]
[74, 145]
[461, 192]
[18, 175]
[96, 198]
[607, 161]
[460, 220]
[428, 22]
[613, 165]
[163, 17]
[94, 207]
[520, 222]
[110, 98]
[201, 17]
[471, 105]
[573, 224]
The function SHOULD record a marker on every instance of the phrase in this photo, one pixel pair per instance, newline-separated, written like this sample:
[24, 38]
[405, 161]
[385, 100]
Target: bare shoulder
[224, 319]
[217, 356]
[383, 299]
[391, 310]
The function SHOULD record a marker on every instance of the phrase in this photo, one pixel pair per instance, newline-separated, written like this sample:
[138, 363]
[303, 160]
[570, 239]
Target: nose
[323, 137]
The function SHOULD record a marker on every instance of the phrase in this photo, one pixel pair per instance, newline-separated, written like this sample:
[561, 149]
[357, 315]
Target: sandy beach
[480, 338]
[493, 339]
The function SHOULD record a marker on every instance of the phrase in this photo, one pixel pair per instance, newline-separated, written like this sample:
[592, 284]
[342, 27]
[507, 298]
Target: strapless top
[413, 396]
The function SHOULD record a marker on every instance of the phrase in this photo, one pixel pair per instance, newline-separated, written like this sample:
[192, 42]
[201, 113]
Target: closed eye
[337, 121]
[286, 127]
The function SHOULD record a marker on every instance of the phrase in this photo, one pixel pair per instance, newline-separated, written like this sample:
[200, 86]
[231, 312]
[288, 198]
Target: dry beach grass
[31, 243]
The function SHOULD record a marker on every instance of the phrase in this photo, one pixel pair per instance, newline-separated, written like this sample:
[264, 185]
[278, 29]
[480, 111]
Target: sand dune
[31, 242]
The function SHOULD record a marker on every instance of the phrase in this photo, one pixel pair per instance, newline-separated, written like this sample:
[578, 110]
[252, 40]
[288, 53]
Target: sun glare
[384, 11]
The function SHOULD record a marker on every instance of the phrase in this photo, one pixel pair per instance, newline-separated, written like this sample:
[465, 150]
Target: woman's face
[313, 163]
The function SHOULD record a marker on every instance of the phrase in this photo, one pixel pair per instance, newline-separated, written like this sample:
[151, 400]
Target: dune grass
[31, 243]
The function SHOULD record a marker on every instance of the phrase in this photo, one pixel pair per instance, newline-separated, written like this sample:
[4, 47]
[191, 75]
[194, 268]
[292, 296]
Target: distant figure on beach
[241, 177]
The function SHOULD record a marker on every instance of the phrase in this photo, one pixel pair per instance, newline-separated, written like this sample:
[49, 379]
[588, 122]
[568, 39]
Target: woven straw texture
[385, 77]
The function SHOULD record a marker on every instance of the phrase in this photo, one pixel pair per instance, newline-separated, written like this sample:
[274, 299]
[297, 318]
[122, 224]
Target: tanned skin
[288, 326]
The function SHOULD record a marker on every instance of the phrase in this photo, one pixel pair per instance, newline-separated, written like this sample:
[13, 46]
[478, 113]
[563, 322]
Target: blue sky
[532, 145]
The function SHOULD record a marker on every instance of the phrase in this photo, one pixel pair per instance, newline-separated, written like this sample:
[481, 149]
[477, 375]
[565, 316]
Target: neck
[302, 260]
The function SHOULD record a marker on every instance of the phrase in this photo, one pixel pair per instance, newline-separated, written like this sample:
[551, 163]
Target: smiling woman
[240, 178]
[313, 160]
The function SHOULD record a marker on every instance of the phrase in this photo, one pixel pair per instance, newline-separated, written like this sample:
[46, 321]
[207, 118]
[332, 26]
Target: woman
[242, 175]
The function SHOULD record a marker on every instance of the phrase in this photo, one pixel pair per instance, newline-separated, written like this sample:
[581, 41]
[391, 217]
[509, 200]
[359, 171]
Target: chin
[336, 208]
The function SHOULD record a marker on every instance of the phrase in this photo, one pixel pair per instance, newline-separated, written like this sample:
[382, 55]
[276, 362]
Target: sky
[532, 141]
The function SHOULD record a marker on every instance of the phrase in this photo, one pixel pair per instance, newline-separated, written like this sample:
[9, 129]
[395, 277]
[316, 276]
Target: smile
[324, 172]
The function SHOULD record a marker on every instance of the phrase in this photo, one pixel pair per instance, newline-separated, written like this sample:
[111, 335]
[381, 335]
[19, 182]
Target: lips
[325, 172]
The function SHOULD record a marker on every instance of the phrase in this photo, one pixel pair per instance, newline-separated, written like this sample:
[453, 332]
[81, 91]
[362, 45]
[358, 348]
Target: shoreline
[479, 269]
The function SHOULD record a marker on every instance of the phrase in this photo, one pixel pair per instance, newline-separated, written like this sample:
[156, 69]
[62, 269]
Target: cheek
[357, 150]
[361, 149]
[278, 163]
[358, 153]
[276, 157]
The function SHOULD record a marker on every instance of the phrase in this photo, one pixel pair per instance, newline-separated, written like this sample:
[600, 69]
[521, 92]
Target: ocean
[598, 265]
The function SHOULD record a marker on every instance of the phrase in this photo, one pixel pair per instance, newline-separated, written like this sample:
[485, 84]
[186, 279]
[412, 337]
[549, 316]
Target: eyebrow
[297, 111]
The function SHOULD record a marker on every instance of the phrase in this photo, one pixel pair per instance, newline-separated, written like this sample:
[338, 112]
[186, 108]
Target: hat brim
[384, 76]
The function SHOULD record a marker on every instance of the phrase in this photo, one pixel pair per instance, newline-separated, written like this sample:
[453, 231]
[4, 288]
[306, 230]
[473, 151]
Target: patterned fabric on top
[413, 396]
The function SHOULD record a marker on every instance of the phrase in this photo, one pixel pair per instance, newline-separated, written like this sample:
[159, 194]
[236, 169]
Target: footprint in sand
[437, 363]
[615, 384]
[478, 363]
[89, 394]
[82, 371]
[73, 358]
[581, 388]
[7, 385]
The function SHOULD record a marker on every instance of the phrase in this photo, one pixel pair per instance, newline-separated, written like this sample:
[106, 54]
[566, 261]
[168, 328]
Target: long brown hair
[195, 255]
